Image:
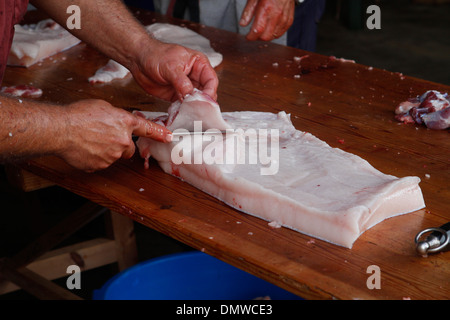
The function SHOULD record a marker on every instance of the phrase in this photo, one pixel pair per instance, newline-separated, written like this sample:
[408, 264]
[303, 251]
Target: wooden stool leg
[123, 231]
[123, 243]
[35, 284]
[58, 233]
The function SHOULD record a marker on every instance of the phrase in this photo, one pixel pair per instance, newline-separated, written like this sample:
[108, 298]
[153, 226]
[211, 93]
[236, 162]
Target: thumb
[149, 129]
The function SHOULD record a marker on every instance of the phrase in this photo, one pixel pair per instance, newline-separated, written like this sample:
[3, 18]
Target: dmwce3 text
[228, 309]
[245, 309]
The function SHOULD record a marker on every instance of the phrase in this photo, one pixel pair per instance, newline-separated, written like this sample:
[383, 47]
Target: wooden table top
[348, 105]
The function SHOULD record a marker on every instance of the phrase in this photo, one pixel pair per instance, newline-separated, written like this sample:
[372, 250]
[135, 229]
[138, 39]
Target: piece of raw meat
[33, 43]
[432, 109]
[197, 106]
[25, 91]
[112, 70]
[438, 120]
[312, 188]
[167, 33]
[183, 114]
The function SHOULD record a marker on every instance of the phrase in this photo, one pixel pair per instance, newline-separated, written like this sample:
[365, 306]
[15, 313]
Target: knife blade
[188, 133]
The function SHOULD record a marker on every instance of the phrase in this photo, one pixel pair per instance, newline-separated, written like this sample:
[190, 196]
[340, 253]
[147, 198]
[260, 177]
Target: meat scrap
[320, 191]
[112, 70]
[24, 91]
[35, 42]
[333, 58]
[431, 109]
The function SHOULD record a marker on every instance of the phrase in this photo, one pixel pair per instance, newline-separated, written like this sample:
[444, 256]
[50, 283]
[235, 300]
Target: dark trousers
[303, 32]
[181, 6]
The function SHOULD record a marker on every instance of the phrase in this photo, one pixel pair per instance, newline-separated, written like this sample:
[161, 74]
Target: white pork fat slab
[33, 43]
[320, 191]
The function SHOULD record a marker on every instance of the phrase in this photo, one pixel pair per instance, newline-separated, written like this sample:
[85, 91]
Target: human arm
[272, 18]
[89, 135]
[167, 71]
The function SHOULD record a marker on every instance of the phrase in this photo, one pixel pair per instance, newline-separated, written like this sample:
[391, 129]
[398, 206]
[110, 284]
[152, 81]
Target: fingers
[179, 79]
[271, 19]
[260, 26]
[149, 129]
[286, 20]
[248, 13]
[197, 73]
[172, 71]
[273, 30]
[210, 89]
[204, 77]
[129, 152]
[99, 134]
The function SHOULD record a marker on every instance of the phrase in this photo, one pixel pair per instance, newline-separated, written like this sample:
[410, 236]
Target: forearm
[167, 71]
[29, 129]
[89, 134]
[106, 25]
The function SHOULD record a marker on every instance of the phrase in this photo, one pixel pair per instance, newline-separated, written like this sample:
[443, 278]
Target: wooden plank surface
[348, 105]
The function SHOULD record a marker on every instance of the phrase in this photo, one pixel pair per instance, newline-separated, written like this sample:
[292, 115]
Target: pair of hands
[99, 134]
[167, 71]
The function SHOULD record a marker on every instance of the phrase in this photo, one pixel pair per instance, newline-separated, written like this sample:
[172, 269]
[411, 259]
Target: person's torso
[11, 12]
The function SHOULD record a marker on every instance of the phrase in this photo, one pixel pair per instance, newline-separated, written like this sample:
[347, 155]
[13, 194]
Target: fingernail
[169, 137]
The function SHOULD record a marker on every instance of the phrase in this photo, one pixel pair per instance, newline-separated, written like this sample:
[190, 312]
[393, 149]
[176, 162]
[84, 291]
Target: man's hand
[170, 71]
[89, 135]
[166, 71]
[272, 18]
[97, 134]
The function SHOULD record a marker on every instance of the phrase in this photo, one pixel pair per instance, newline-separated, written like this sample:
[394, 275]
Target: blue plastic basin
[188, 276]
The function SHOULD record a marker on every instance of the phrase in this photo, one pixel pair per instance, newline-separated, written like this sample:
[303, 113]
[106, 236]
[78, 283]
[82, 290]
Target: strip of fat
[33, 43]
[310, 187]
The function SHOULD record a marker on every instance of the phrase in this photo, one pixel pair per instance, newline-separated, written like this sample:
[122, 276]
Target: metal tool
[188, 133]
[437, 241]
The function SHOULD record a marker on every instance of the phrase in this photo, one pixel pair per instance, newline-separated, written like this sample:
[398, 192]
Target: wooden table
[348, 105]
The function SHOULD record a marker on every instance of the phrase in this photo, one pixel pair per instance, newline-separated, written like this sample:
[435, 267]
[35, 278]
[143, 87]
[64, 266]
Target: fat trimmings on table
[35, 42]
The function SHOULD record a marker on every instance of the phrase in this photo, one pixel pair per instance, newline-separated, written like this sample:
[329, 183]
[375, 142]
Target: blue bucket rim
[102, 293]
[132, 269]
